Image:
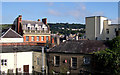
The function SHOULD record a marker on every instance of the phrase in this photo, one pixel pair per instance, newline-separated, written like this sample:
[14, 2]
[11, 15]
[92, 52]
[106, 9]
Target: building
[10, 36]
[100, 28]
[73, 57]
[32, 31]
[22, 59]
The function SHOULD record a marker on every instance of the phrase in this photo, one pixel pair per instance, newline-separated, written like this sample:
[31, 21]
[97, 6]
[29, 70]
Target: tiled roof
[80, 46]
[24, 22]
[11, 34]
[25, 48]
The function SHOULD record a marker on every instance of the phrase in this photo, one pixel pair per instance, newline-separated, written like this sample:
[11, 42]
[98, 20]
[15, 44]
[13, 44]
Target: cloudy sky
[56, 12]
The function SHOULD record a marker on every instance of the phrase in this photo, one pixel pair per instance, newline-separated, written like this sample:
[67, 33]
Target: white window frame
[47, 38]
[73, 62]
[42, 38]
[55, 64]
[4, 63]
[37, 38]
[87, 60]
[32, 38]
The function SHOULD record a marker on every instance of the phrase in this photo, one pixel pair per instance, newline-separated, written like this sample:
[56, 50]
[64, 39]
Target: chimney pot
[20, 15]
[38, 19]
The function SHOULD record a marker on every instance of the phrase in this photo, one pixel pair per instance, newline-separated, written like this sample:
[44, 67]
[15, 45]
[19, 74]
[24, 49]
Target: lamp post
[42, 60]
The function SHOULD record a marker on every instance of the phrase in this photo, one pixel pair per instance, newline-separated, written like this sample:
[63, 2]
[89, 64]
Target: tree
[108, 60]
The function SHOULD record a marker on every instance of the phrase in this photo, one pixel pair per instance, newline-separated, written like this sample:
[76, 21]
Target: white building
[10, 36]
[21, 59]
[100, 28]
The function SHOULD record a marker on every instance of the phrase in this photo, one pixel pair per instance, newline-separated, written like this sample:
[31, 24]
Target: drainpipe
[42, 60]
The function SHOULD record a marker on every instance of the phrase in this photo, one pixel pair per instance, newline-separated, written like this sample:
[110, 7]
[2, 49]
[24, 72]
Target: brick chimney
[38, 19]
[19, 26]
[44, 20]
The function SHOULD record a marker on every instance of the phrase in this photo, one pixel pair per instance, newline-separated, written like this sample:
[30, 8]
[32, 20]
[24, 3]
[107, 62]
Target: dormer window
[28, 28]
[36, 29]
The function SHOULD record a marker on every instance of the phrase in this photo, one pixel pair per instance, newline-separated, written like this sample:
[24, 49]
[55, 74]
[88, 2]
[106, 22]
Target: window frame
[37, 38]
[27, 38]
[107, 31]
[4, 62]
[56, 61]
[42, 39]
[74, 62]
[47, 38]
[87, 59]
[38, 61]
[32, 38]
[107, 38]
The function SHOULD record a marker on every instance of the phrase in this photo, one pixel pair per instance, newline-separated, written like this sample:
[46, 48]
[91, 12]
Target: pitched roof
[11, 34]
[25, 48]
[80, 46]
[24, 22]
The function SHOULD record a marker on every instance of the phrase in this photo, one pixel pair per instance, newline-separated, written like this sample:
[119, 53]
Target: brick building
[32, 31]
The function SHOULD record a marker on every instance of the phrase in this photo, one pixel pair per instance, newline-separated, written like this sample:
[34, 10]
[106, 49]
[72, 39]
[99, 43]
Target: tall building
[32, 31]
[100, 28]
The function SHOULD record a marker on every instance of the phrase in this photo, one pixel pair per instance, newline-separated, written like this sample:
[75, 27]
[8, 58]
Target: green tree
[108, 60]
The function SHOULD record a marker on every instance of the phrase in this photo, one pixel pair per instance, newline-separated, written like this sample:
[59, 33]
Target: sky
[58, 12]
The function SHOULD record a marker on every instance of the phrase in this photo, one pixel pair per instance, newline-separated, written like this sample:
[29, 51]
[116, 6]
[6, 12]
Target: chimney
[19, 27]
[20, 18]
[38, 19]
[44, 20]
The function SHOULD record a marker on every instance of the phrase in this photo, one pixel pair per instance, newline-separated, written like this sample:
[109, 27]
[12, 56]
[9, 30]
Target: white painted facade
[97, 27]
[16, 60]
[19, 59]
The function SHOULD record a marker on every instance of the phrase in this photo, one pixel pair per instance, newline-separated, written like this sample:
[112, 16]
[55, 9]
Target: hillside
[65, 28]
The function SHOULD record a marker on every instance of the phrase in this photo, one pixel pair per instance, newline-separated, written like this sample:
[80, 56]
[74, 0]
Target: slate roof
[11, 34]
[26, 48]
[79, 46]
[24, 22]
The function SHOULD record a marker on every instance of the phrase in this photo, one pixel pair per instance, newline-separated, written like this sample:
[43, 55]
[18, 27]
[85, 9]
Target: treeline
[5, 26]
[66, 28]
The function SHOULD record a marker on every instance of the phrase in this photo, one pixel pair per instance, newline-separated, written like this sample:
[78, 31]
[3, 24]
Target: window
[4, 62]
[36, 29]
[74, 62]
[96, 38]
[107, 38]
[86, 60]
[28, 28]
[56, 60]
[27, 38]
[115, 29]
[107, 30]
[46, 38]
[38, 62]
[37, 38]
[42, 38]
[32, 38]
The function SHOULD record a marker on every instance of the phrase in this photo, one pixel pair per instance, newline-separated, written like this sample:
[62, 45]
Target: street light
[43, 60]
